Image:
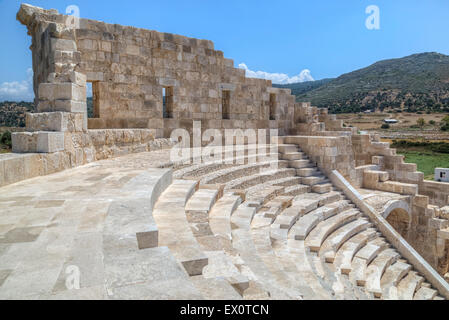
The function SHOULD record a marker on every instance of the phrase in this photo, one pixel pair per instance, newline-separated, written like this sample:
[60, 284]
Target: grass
[427, 161]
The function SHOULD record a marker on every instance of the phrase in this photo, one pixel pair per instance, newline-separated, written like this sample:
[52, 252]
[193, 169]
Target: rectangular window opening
[167, 102]
[92, 97]
[226, 103]
[272, 106]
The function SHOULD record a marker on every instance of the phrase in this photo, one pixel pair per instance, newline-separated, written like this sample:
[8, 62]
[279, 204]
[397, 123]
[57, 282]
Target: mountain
[303, 87]
[12, 114]
[419, 82]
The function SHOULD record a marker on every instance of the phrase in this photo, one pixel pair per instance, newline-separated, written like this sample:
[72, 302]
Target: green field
[427, 161]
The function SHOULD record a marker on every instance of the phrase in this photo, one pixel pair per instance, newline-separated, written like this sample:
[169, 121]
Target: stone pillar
[61, 99]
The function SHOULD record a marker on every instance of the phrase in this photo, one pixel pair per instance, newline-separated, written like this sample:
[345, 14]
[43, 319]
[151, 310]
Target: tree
[421, 122]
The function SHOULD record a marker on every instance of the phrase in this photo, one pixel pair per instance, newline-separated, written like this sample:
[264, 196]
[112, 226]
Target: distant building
[442, 174]
[391, 121]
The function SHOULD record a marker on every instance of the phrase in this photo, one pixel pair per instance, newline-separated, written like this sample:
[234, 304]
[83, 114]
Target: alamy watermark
[372, 22]
[226, 146]
[73, 277]
[73, 19]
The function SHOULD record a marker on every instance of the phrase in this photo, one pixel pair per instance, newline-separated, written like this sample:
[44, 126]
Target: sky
[285, 41]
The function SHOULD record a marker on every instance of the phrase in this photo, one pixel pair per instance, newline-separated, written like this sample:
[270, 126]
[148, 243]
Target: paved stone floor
[52, 222]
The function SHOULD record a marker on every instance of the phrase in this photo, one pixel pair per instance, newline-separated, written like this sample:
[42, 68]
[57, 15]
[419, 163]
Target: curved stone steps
[289, 259]
[342, 288]
[308, 172]
[174, 229]
[220, 217]
[424, 293]
[377, 268]
[288, 148]
[234, 152]
[218, 246]
[280, 185]
[203, 168]
[243, 244]
[340, 236]
[391, 277]
[298, 250]
[361, 260]
[349, 238]
[263, 245]
[323, 229]
[343, 257]
[409, 285]
[261, 194]
[238, 171]
[286, 182]
[313, 180]
[201, 201]
[298, 155]
[323, 199]
[311, 215]
[246, 182]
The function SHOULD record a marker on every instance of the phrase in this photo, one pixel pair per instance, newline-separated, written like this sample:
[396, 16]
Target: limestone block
[78, 78]
[49, 142]
[62, 91]
[70, 106]
[54, 121]
[24, 142]
[63, 44]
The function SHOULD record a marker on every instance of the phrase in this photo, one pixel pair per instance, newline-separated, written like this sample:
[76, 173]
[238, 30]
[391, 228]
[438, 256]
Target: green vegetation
[445, 124]
[425, 146]
[427, 155]
[12, 114]
[5, 142]
[416, 83]
[303, 87]
[421, 122]
[426, 161]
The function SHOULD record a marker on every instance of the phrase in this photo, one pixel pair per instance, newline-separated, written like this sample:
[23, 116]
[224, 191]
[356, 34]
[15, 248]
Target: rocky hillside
[419, 82]
[12, 114]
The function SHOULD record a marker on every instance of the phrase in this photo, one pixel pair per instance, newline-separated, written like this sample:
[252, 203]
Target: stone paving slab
[85, 217]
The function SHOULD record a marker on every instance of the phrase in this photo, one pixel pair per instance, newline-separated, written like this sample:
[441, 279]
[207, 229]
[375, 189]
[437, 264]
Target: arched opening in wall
[399, 219]
[167, 102]
[272, 106]
[93, 110]
[226, 104]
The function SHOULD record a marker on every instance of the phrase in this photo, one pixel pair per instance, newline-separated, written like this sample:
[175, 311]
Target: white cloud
[18, 90]
[279, 78]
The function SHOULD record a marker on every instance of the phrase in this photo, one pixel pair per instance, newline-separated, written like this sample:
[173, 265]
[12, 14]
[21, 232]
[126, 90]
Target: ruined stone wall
[329, 153]
[129, 67]
[80, 148]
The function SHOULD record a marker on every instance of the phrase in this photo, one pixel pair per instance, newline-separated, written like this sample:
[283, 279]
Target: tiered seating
[279, 234]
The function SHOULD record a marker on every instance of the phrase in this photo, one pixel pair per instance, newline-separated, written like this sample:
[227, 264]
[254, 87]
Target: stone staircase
[251, 231]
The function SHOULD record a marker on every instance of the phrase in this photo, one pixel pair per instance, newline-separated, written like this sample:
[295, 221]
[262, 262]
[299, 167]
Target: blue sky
[284, 38]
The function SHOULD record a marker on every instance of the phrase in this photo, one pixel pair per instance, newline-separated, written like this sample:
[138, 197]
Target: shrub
[440, 147]
[6, 139]
[421, 122]
[432, 122]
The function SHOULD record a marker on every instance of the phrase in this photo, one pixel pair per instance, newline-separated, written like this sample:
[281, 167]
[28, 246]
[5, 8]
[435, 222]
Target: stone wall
[129, 68]
[80, 149]
[329, 153]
